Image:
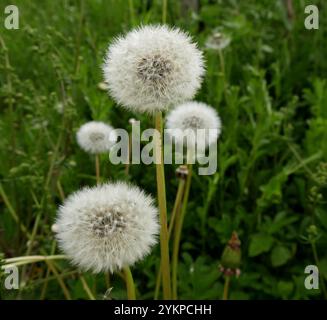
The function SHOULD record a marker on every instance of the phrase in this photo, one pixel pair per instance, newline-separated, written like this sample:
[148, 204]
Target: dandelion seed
[153, 68]
[191, 116]
[96, 137]
[107, 227]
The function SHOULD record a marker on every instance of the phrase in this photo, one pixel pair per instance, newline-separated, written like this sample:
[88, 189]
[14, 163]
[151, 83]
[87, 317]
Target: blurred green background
[268, 81]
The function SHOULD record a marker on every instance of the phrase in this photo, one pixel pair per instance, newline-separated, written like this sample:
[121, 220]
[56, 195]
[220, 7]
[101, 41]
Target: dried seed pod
[182, 172]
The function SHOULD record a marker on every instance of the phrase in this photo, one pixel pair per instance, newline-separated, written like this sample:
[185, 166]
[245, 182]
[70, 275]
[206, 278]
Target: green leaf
[280, 255]
[285, 288]
[260, 243]
[323, 268]
[322, 216]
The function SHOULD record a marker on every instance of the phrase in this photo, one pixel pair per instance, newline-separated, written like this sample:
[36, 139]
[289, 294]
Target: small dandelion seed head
[217, 41]
[96, 137]
[191, 116]
[152, 68]
[107, 227]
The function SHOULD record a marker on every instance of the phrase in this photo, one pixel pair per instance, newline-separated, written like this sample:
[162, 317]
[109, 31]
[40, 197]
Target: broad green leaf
[280, 255]
[260, 243]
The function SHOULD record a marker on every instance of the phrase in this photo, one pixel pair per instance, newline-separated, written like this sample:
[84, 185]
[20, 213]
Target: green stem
[30, 259]
[131, 11]
[97, 168]
[175, 212]
[226, 288]
[130, 286]
[178, 232]
[177, 204]
[87, 288]
[223, 71]
[12, 211]
[61, 282]
[161, 189]
[164, 11]
[45, 285]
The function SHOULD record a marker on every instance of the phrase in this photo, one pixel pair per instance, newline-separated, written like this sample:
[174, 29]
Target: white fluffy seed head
[190, 116]
[107, 227]
[217, 41]
[152, 68]
[96, 137]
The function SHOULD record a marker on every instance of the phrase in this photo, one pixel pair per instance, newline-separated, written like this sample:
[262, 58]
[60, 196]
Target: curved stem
[178, 232]
[130, 286]
[226, 288]
[161, 190]
[29, 259]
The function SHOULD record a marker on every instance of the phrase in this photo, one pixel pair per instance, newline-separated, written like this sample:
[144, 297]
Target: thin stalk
[86, 288]
[31, 259]
[177, 204]
[18, 261]
[79, 38]
[97, 168]
[98, 180]
[61, 282]
[161, 189]
[33, 235]
[164, 11]
[131, 11]
[12, 211]
[178, 231]
[223, 71]
[130, 286]
[47, 276]
[60, 190]
[36, 225]
[129, 155]
[51, 278]
[107, 279]
[226, 288]
[175, 212]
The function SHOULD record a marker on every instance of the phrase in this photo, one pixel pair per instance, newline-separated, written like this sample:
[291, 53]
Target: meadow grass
[269, 86]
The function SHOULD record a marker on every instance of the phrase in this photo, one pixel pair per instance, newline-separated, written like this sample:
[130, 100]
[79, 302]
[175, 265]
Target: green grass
[271, 184]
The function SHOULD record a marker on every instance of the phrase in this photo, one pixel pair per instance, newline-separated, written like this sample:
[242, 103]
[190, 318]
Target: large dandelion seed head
[107, 227]
[191, 116]
[152, 68]
[96, 137]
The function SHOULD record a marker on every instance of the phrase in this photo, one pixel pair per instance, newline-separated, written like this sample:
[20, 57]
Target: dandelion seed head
[96, 137]
[217, 41]
[107, 227]
[191, 116]
[152, 68]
